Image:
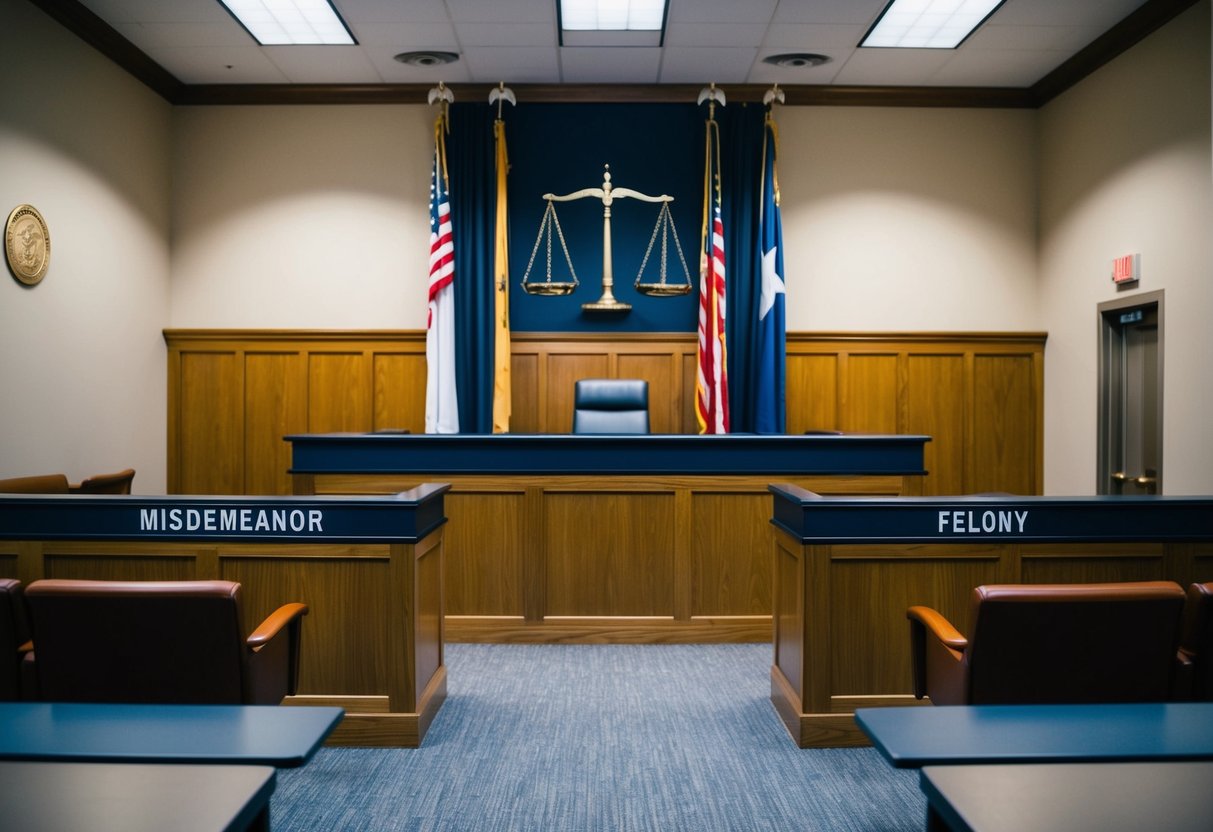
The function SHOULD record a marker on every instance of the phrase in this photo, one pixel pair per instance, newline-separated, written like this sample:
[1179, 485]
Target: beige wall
[1125, 167]
[301, 216]
[908, 219]
[895, 219]
[81, 354]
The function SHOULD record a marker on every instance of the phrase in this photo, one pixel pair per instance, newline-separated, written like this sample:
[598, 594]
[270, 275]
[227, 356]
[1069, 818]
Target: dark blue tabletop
[605, 454]
[1076, 797]
[283, 736]
[929, 735]
[132, 797]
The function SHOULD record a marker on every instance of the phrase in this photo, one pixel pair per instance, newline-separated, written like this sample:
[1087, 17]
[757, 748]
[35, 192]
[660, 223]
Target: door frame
[1106, 311]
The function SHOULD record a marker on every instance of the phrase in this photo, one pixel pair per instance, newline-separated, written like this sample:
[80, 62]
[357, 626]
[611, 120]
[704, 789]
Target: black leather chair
[170, 642]
[611, 405]
[1196, 643]
[14, 638]
[1052, 644]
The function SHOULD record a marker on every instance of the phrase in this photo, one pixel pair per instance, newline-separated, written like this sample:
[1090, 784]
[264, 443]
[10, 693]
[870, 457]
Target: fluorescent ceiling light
[612, 22]
[928, 24]
[612, 15]
[273, 22]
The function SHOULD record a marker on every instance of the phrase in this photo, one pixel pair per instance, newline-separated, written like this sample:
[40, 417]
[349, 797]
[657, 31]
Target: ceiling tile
[324, 64]
[513, 65]
[721, 11]
[1001, 68]
[393, 11]
[704, 65]
[219, 65]
[502, 11]
[147, 35]
[506, 34]
[891, 67]
[715, 34]
[623, 65]
[810, 37]
[407, 36]
[158, 11]
[1026, 38]
[859, 12]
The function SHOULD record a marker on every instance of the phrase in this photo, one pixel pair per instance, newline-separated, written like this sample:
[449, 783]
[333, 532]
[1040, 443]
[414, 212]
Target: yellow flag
[501, 279]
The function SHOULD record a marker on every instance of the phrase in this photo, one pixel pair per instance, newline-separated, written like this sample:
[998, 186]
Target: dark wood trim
[796, 95]
[97, 33]
[1147, 19]
[80, 21]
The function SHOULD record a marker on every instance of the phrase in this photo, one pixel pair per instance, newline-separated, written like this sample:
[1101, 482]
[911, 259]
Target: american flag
[711, 384]
[441, 402]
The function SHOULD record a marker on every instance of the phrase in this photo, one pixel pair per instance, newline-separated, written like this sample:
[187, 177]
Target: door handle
[1121, 476]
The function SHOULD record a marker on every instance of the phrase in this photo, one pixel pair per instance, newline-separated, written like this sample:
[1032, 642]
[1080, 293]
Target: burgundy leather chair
[1196, 643]
[14, 638]
[116, 483]
[39, 484]
[1051, 643]
[172, 642]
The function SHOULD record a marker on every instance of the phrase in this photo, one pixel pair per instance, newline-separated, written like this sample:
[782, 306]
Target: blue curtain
[741, 137]
[471, 167]
[470, 163]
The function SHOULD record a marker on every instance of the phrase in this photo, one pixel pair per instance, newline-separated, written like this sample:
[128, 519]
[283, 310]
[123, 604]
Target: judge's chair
[611, 405]
[1196, 643]
[171, 642]
[14, 638]
[1051, 644]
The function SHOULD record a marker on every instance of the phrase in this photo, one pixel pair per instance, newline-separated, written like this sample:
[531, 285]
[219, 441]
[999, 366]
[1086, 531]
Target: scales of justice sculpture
[608, 193]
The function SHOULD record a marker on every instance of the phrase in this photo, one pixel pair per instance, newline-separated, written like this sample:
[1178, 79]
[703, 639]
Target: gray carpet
[617, 738]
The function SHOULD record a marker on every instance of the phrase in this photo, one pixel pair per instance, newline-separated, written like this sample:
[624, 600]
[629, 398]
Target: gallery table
[124, 797]
[968, 734]
[282, 736]
[1077, 797]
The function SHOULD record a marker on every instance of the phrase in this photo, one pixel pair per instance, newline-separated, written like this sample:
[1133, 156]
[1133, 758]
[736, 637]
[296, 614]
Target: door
[1130, 384]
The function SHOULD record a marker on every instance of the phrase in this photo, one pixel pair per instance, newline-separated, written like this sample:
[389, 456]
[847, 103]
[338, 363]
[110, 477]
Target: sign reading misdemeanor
[242, 520]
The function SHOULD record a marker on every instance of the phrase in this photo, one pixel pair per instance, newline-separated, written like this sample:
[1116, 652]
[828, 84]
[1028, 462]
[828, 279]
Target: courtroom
[630, 415]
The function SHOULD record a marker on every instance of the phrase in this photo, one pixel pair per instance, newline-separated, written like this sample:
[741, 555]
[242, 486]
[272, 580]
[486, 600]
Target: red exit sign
[1126, 269]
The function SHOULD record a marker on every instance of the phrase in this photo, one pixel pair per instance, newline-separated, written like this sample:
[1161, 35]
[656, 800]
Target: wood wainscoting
[233, 395]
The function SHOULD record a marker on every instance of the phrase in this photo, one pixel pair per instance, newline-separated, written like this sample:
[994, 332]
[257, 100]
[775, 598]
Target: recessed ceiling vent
[797, 59]
[427, 58]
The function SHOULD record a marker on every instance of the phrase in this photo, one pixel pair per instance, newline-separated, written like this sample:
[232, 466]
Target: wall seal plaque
[27, 244]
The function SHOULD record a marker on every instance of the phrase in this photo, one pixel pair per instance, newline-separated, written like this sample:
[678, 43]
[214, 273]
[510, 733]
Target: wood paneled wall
[233, 395]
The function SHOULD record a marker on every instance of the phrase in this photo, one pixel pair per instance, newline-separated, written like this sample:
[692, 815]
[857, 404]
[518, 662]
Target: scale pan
[663, 290]
[549, 289]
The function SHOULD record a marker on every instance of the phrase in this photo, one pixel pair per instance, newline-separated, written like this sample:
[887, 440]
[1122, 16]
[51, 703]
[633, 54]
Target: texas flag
[771, 412]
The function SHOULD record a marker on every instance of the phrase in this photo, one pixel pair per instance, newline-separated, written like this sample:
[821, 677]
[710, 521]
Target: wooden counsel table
[1091, 797]
[846, 569]
[369, 569]
[932, 736]
[247, 734]
[126, 797]
[620, 538]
